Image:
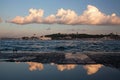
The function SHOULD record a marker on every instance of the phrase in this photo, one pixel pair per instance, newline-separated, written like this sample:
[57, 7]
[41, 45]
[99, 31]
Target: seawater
[52, 71]
[60, 45]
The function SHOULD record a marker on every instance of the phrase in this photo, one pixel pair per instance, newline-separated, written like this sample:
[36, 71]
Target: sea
[53, 71]
[65, 46]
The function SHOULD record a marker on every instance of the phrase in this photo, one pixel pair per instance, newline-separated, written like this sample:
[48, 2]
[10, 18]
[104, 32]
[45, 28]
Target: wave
[59, 46]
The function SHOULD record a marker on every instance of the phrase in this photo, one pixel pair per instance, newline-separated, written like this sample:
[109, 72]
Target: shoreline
[111, 59]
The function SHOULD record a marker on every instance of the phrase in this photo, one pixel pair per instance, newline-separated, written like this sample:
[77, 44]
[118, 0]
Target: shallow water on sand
[39, 71]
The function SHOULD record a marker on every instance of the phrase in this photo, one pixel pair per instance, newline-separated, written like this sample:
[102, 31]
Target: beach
[111, 59]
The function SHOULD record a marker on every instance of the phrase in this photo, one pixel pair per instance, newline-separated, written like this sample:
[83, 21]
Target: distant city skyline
[25, 18]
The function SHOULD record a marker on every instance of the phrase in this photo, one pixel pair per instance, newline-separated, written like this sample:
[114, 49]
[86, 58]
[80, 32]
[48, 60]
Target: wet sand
[111, 59]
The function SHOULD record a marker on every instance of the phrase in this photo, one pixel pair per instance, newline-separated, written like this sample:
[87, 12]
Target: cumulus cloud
[91, 15]
[35, 16]
[94, 16]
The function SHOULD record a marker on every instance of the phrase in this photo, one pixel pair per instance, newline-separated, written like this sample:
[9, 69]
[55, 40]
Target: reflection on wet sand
[39, 66]
[35, 66]
[53, 71]
[66, 67]
[111, 59]
[92, 69]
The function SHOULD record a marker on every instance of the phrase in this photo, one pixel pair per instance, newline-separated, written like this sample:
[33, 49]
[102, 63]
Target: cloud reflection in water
[35, 66]
[66, 67]
[39, 66]
[92, 69]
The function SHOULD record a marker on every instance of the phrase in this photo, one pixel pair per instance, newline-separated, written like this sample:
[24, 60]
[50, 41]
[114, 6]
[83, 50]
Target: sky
[27, 17]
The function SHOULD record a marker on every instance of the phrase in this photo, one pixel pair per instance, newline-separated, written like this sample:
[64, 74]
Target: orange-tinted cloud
[92, 69]
[91, 15]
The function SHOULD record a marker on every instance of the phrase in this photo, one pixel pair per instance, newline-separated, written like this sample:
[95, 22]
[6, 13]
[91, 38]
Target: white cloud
[35, 16]
[91, 15]
[50, 19]
[66, 16]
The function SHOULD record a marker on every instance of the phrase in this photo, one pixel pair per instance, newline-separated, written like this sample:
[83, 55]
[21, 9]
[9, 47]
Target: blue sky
[9, 9]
